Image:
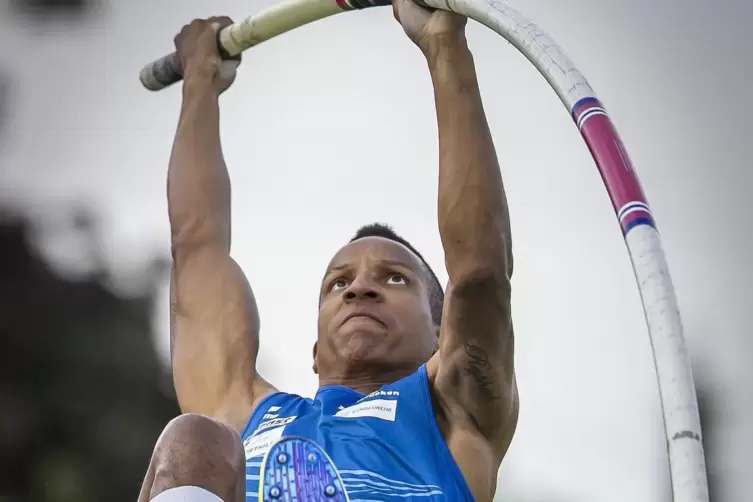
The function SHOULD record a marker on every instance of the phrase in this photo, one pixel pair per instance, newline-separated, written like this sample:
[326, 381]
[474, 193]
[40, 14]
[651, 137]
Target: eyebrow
[389, 263]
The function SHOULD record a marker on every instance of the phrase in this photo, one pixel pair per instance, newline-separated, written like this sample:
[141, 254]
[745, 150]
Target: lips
[367, 315]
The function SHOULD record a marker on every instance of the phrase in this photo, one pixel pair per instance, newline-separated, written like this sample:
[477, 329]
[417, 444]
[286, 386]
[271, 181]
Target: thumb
[396, 4]
[228, 69]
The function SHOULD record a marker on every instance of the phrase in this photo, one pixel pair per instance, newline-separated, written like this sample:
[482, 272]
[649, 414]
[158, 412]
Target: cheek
[413, 314]
[327, 313]
[325, 316]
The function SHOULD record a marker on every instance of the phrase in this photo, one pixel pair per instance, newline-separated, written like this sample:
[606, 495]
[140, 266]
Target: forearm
[198, 180]
[473, 215]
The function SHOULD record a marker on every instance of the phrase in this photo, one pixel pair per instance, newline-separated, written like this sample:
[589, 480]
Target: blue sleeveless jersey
[386, 445]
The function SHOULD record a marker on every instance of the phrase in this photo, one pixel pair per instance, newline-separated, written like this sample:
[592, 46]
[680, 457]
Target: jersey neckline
[326, 388]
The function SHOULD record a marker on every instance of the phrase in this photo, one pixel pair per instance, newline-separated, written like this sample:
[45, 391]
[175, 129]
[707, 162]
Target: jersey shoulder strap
[267, 422]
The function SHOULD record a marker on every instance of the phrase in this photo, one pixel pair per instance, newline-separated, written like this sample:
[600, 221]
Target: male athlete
[417, 398]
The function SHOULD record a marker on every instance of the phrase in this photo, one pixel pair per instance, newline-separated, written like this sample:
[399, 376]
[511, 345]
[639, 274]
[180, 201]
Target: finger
[220, 21]
[197, 23]
[228, 70]
[184, 30]
[396, 9]
[227, 74]
[179, 36]
[421, 5]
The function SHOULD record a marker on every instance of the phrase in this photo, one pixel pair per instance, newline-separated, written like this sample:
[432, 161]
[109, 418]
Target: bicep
[214, 335]
[475, 376]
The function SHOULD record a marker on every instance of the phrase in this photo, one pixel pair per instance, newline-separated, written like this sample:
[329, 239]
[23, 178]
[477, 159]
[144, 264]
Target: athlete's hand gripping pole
[167, 70]
[237, 37]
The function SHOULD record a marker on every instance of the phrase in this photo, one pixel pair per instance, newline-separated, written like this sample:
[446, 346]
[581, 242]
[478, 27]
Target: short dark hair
[436, 293]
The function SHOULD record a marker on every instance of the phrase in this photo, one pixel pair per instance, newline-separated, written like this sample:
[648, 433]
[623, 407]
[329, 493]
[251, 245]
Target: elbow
[484, 294]
[490, 269]
[193, 233]
[478, 276]
[480, 251]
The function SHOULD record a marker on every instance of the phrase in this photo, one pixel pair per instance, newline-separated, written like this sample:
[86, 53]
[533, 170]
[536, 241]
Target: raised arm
[473, 374]
[214, 319]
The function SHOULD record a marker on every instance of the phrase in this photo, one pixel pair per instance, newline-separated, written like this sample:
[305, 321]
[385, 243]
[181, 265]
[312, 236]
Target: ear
[316, 361]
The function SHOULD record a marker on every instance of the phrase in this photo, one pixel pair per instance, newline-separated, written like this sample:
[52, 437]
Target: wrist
[201, 68]
[198, 83]
[451, 63]
[445, 47]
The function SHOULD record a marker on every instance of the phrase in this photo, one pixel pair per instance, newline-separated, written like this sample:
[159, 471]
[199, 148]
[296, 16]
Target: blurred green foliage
[83, 395]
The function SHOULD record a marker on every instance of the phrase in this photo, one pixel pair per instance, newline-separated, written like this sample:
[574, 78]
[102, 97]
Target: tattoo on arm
[479, 369]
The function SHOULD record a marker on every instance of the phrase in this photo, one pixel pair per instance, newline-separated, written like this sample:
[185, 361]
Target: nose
[362, 288]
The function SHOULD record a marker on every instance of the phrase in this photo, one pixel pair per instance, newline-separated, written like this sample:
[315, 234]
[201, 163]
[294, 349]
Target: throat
[366, 378]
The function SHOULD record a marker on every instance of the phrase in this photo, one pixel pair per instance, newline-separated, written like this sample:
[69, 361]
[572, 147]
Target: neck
[366, 378]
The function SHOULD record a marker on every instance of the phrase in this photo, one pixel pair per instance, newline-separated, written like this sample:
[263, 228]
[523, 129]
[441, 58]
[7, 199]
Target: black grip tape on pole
[167, 71]
[162, 73]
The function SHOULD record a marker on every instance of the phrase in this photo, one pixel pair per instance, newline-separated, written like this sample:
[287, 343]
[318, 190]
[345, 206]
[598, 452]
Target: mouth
[363, 315]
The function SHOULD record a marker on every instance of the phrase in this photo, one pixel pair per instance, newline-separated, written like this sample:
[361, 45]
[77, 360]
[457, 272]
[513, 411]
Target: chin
[362, 346]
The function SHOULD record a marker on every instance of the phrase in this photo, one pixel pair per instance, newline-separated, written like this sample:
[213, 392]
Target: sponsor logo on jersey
[381, 393]
[271, 413]
[259, 444]
[384, 409]
[275, 422]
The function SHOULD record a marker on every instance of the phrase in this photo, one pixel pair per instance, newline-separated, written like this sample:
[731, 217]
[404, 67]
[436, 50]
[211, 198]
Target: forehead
[374, 250]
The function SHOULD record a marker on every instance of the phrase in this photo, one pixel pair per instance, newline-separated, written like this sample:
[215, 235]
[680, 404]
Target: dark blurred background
[83, 394]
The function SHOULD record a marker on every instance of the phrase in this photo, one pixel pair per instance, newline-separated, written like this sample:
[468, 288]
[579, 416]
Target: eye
[397, 280]
[338, 284]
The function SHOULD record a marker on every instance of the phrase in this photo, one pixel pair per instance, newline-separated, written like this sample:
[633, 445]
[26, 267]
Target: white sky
[332, 126]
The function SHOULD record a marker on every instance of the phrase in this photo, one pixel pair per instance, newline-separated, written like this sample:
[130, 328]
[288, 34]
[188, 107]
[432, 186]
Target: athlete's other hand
[429, 28]
[199, 56]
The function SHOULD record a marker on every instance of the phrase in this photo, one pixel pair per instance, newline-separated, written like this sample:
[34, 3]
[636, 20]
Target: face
[374, 310]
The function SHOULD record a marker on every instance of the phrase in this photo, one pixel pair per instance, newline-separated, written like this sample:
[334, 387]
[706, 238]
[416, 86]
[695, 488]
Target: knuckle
[221, 19]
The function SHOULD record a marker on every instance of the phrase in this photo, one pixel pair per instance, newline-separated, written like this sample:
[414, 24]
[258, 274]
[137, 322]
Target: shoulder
[477, 454]
[456, 415]
[274, 410]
